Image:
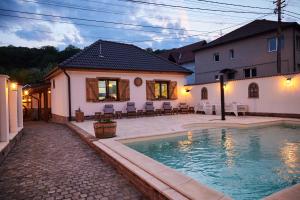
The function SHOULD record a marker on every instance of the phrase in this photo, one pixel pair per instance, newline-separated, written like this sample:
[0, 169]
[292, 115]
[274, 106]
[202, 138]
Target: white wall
[275, 95]
[59, 95]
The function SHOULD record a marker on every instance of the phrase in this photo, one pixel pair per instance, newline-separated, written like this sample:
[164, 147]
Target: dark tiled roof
[252, 29]
[118, 56]
[183, 54]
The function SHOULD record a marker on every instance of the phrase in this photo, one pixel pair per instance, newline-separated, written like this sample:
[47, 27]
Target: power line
[236, 5]
[100, 21]
[82, 24]
[72, 6]
[292, 12]
[191, 8]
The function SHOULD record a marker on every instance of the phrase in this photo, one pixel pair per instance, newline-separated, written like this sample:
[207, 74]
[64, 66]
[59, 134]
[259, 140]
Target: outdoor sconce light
[288, 81]
[26, 92]
[224, 86]
[13, 86]
[49, 91]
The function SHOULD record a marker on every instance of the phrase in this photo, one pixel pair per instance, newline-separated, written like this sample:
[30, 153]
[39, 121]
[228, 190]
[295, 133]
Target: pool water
[242, 163]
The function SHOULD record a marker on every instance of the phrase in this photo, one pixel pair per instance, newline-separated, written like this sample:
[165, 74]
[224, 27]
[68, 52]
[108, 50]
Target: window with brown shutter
[150, 90]
[160, 90]
[173, 90]
[124, 90]
[107, 89]
[91, 89]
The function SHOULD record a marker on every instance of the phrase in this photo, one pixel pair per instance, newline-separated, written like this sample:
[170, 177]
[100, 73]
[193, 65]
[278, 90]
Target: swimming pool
[242, 163]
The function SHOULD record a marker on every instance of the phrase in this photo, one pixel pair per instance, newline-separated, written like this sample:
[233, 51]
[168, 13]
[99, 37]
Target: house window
[250, 72]
[216, 57]
[53, 83]
[253, 90]
[161, 89]
[298, 42]
[272, 43]
[108, 89]
[204, 93]
[230, 76]
[231, 54]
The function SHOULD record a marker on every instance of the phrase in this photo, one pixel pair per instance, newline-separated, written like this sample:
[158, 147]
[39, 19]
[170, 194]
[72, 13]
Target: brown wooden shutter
[150, 90]
[173, 90]
[92, 90]
[124, 90]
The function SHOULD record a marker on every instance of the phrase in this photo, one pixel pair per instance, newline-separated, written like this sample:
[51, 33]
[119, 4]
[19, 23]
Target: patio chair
[207, 108]
[108, 111]
[167, 108]
[183, 108]
[131, 109]
[149, 108]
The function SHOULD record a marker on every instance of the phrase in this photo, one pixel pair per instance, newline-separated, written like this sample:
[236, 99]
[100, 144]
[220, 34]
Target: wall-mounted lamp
[224, 86]
[49, 91]
[288, 81]
[26, 92]
[14, 86]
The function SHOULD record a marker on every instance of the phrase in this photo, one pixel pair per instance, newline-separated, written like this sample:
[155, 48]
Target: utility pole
[279, 6]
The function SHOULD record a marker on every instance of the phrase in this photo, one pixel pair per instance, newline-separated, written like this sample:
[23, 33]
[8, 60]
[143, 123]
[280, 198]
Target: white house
[113, 73]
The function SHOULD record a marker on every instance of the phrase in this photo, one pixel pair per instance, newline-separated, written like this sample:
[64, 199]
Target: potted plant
[79, 115]
[105, 128]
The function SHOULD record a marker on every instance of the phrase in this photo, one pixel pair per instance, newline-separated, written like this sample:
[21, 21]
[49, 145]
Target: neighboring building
[250, 51]
[185, 57]
[248, 56]
[113, 73]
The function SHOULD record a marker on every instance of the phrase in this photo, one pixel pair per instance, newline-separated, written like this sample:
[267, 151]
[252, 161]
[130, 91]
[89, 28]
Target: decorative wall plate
[138, 81]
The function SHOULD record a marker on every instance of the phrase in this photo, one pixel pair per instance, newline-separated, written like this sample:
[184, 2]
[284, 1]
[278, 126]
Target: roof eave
[246, 37]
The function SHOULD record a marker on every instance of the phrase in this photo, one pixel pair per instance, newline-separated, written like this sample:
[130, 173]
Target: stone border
[153, 179]
[10, 145]
[143, 172]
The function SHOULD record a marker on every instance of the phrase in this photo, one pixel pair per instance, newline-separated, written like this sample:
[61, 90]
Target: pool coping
[164, 182]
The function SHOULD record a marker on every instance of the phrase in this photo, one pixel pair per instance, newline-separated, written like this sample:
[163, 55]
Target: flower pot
[105, 129]
[79, 116]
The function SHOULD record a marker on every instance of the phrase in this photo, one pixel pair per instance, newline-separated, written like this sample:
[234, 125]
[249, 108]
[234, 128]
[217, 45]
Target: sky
[162, 24]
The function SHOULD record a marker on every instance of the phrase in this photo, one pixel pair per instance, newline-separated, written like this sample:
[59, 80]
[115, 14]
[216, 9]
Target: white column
[12, 106]
[20, 107]
[4, 119]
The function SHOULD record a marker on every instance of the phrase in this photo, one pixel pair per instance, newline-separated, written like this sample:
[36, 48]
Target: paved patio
[147, 126]
[51, 162]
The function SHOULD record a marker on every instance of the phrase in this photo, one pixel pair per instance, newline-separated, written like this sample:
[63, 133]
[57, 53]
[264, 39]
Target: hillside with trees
[29, 65]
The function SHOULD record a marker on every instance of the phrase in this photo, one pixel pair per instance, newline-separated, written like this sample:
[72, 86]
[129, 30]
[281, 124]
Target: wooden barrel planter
[105, 129]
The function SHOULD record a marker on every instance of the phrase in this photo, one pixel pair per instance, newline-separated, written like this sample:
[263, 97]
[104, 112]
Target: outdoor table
[175, 111]
[158, 111]
[98, 115]
[140, 113]
[119, 114]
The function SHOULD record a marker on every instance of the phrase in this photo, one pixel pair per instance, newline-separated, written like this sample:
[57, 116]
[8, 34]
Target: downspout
[69, 94]
[294, 50]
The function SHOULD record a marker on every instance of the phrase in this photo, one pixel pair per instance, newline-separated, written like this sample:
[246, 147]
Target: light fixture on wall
[225, 85]
[49, 91]
[288, 81]
[26, 92]
[13, 86]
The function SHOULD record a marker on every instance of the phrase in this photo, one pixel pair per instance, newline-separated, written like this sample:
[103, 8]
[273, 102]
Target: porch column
[20, 107]
[13, 110]
[4, 118]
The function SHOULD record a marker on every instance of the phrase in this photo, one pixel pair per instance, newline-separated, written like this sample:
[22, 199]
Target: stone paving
[51, 162]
